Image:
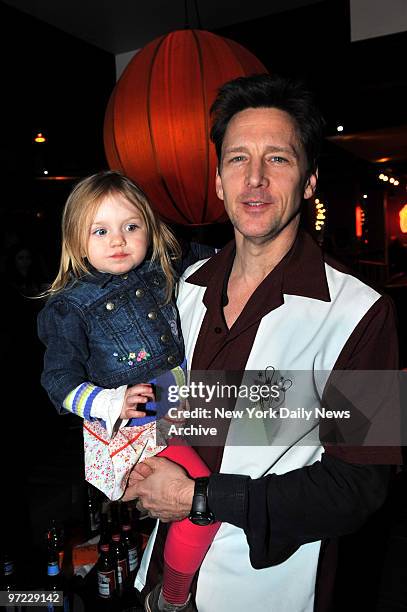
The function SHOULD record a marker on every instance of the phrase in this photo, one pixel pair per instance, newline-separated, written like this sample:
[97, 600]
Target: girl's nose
[118, 239]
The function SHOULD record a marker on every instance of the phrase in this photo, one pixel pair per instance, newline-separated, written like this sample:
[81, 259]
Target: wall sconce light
[403, 219]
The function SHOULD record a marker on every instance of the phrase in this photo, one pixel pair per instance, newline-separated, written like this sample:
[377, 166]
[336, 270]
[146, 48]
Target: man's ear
[218, 185]
[311, 185]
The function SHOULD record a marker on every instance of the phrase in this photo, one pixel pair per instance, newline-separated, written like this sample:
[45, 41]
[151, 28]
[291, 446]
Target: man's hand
[162, 487]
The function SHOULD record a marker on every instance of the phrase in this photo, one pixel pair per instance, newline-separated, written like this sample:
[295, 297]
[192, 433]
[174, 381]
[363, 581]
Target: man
[271, 300]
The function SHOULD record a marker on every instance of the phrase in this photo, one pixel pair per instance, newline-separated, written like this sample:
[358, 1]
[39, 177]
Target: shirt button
[110, 306]
[139, 293]
[152, 315]
[171, 359]
[156, 281]
[125, 276]
[164, 338]
[218, 330]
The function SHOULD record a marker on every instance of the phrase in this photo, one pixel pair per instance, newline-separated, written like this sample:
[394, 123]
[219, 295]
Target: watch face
[202, 519]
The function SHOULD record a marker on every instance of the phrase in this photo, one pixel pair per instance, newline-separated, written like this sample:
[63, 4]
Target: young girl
[109, 327]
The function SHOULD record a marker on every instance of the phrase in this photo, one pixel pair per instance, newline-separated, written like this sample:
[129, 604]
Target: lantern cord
[187, 24]
[198, 17]
[186, 12]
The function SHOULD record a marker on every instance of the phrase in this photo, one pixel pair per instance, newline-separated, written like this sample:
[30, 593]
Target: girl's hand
[138, 394]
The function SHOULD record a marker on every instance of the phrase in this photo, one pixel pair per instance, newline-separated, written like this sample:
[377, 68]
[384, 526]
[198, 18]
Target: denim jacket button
[152, 315]
[164, 338]
[139, 293]
[110, 306]
[171, 359]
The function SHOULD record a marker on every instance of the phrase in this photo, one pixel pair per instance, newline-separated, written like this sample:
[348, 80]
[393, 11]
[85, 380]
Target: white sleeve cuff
[107, 405]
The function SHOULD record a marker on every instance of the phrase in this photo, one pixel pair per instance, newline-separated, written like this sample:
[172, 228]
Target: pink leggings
[186, 543]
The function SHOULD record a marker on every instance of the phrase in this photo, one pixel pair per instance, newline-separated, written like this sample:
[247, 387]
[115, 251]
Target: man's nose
[256, 174]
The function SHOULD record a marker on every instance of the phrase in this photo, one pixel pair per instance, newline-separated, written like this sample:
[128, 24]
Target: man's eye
[237, 158]
[100, 232]
[131, 227]
[278, 159]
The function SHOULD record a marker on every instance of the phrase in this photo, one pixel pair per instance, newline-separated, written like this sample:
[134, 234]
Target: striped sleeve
[79, 400]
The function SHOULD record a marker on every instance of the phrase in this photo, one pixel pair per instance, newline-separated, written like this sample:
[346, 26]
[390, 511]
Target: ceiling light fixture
[39, 137]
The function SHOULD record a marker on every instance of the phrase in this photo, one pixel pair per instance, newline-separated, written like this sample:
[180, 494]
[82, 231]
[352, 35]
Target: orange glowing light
[40, 137]
[359, 221]
[56, 178]
[403, 219]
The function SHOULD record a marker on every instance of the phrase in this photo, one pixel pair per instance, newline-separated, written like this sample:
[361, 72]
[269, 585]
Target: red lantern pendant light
[156, 127]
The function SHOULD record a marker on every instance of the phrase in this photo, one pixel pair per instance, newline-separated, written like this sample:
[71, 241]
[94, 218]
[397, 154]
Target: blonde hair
[80, 209]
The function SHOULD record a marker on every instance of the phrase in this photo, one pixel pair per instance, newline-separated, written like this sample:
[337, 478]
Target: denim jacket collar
[102, 279]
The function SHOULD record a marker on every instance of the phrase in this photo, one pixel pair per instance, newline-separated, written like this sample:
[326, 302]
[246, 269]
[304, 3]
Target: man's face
[261, 178]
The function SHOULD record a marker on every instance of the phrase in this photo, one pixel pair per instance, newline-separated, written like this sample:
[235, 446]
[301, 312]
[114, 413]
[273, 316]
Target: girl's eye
[131, 227]
[100, 232]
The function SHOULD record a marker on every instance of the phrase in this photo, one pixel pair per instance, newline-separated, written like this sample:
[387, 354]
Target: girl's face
[117, 238]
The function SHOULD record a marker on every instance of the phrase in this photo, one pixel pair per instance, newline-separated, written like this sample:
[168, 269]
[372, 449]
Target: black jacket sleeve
[278, 513]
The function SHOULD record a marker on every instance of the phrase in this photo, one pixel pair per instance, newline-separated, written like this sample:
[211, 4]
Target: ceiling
[385, 146]
[118, 26]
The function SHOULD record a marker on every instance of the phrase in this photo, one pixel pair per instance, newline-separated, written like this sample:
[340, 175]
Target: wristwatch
[200, 513]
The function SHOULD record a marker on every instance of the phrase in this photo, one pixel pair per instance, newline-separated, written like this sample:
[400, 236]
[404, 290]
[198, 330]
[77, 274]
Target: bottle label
[94, 521]
[8, 568]
[53, 568]
[122, 570]
[106, 583]
[133, 558]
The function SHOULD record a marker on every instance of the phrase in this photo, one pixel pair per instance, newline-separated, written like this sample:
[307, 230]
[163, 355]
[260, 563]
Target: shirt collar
[301, 272]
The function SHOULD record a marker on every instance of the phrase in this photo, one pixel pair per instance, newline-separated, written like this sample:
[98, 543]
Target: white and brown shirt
[278, 502]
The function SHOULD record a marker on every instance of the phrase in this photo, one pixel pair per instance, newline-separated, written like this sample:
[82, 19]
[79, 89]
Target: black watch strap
[200, 513]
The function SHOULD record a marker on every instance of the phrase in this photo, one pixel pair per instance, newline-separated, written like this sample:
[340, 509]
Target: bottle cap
[116, 537]
[105, 547]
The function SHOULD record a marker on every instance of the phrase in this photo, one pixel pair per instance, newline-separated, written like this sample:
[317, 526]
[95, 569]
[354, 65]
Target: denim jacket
[111, 330]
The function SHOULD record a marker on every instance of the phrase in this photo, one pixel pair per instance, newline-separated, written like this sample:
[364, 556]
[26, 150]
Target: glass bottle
[105, 530]
[93, 510]
[119, 555]
[8, 572]
[55, 540]
[55, 581]
[115, 524]
[8, 576]
[130, 544]
[106, 574]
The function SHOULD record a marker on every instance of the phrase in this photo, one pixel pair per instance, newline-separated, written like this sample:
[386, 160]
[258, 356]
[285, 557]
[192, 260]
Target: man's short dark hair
[270, 91]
